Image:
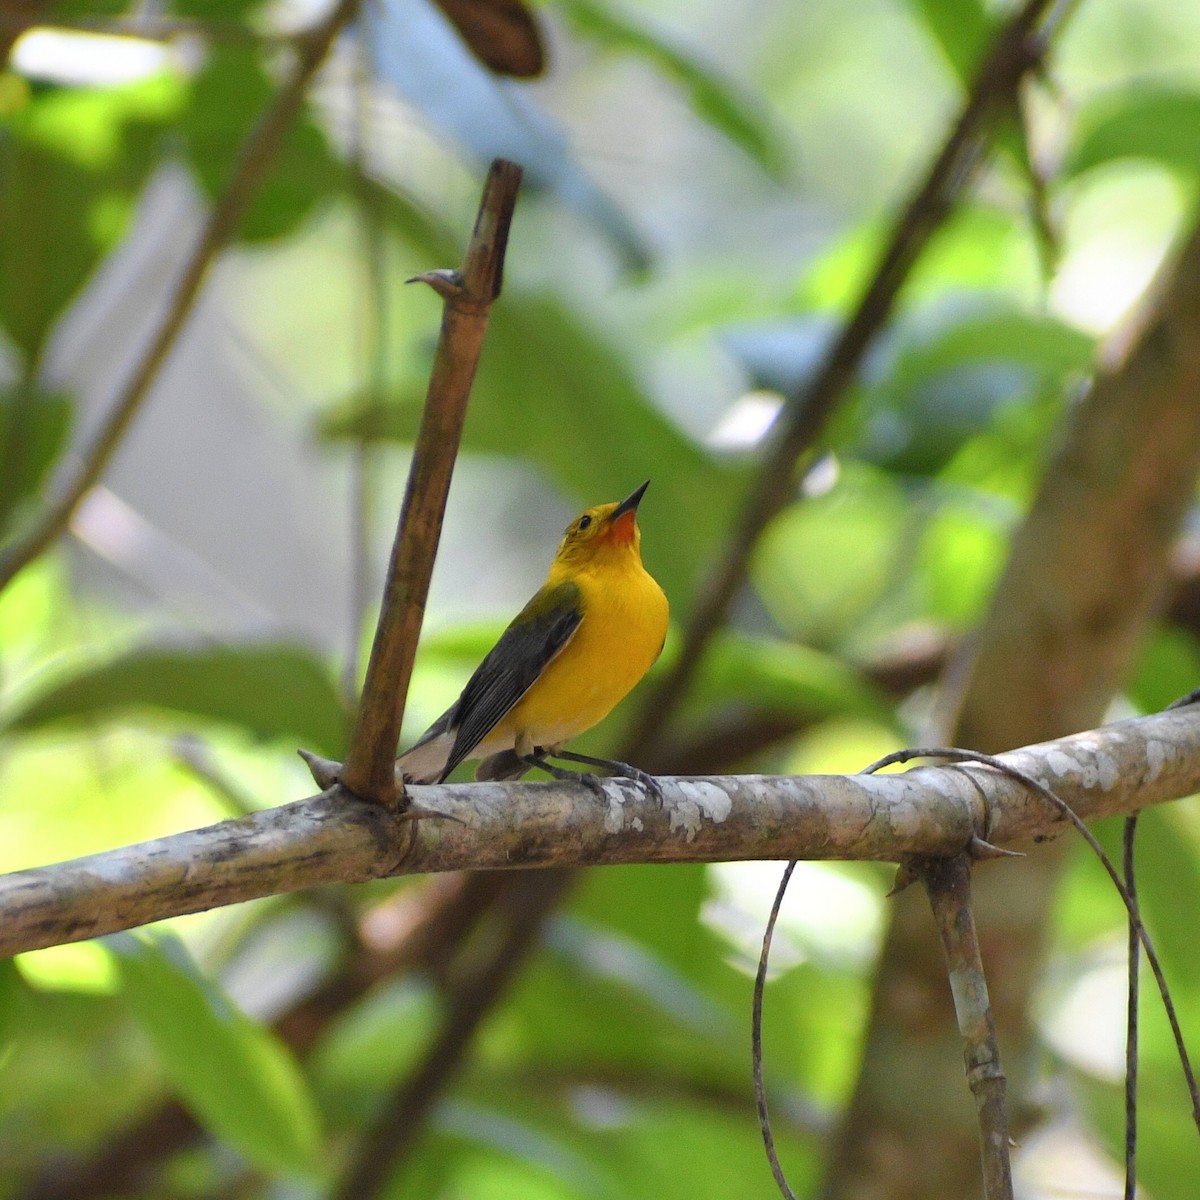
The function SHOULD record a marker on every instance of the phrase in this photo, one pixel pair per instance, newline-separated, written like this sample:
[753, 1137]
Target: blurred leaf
[554, 392]
[10, 989]
[71, 163]
[782, 677]
[228, 97]
[236, 1077]
[533, 1147]
[273, 692]
[993, 334]
[371, 1044]
[715, 99]
[230, 10]
[959, 561]
[781, 355]
[947, 373]
[33, 430]
[1168, 882]
[1141, 121]
[961, 29]
[1167, 1158]
[1169, 667]
[419, 53]
[657, 906]
[813, 586]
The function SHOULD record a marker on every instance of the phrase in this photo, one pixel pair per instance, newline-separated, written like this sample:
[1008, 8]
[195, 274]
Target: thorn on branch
[446, 281]
[979, 848]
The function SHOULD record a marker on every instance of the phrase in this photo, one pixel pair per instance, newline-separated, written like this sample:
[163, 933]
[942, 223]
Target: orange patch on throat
[621, 530]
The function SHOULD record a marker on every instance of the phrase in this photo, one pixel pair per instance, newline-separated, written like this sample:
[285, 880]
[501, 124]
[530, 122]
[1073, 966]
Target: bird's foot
[590, 781]
[621, 770]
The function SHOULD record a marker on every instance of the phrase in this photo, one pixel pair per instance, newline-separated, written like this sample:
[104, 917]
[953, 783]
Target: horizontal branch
[932, 810]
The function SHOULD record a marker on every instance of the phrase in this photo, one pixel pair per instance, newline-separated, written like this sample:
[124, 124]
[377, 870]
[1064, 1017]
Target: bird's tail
[425, 762]
[505, 765]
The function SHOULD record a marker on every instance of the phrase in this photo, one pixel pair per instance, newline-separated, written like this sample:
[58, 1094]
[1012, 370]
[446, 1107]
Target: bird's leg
[622, 770]
[590, 781]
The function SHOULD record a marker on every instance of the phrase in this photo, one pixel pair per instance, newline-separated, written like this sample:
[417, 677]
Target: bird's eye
[584, 522]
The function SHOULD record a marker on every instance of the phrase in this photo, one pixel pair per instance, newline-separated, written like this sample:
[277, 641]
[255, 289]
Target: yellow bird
[569, 656]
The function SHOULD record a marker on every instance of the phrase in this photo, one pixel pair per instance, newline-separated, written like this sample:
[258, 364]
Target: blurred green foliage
[763, 150]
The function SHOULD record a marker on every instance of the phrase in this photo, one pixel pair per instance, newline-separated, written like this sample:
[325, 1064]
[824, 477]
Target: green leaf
[228, 97]
[11, 986]
[961, 29]
[723, 105]
[782, 677]
[948, 383]
[1168, 668]
[273, 692]
[72, 162]
[811, 585]
[1141, 121]
[236, 1077]
[33, 430]
[1167, 866]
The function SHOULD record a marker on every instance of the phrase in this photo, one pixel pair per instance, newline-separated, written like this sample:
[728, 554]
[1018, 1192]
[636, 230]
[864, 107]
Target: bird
[580, 645]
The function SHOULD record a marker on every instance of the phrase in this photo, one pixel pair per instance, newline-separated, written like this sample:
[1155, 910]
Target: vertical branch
[948, 883]
[258, 152]
[468, 296]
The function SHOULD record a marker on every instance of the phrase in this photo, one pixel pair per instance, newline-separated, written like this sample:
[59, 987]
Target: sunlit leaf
[235, 1076]
[726, 107]
[812, 586]
[275, 692]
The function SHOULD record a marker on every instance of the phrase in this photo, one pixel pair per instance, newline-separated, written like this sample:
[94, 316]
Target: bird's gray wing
[535, 637]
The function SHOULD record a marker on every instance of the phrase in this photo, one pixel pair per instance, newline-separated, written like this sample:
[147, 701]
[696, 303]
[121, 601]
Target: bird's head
[606, 529]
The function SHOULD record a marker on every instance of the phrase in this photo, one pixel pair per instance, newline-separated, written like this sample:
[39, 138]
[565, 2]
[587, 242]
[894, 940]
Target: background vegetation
[708, 189]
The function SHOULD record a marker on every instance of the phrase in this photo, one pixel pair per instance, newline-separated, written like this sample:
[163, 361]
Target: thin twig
[1131, 1013]
[468, 296]
[756, 1054]
[257, 153]
[948, 884]
[1016, 49]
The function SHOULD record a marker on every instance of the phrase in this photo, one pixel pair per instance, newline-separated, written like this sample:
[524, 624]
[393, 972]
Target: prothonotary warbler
[569, 656]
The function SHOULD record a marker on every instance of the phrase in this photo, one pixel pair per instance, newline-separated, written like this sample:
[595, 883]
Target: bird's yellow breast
[621, 633]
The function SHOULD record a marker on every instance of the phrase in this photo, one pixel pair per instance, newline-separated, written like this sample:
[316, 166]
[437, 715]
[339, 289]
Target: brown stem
[806, 414]
[948, 882]
[468, 297]
[258, 152]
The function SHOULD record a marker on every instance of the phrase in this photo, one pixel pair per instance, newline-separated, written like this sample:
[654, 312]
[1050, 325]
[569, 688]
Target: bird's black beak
[630, 503]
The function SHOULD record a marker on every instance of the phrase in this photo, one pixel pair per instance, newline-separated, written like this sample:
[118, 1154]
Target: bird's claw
[647, 783]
